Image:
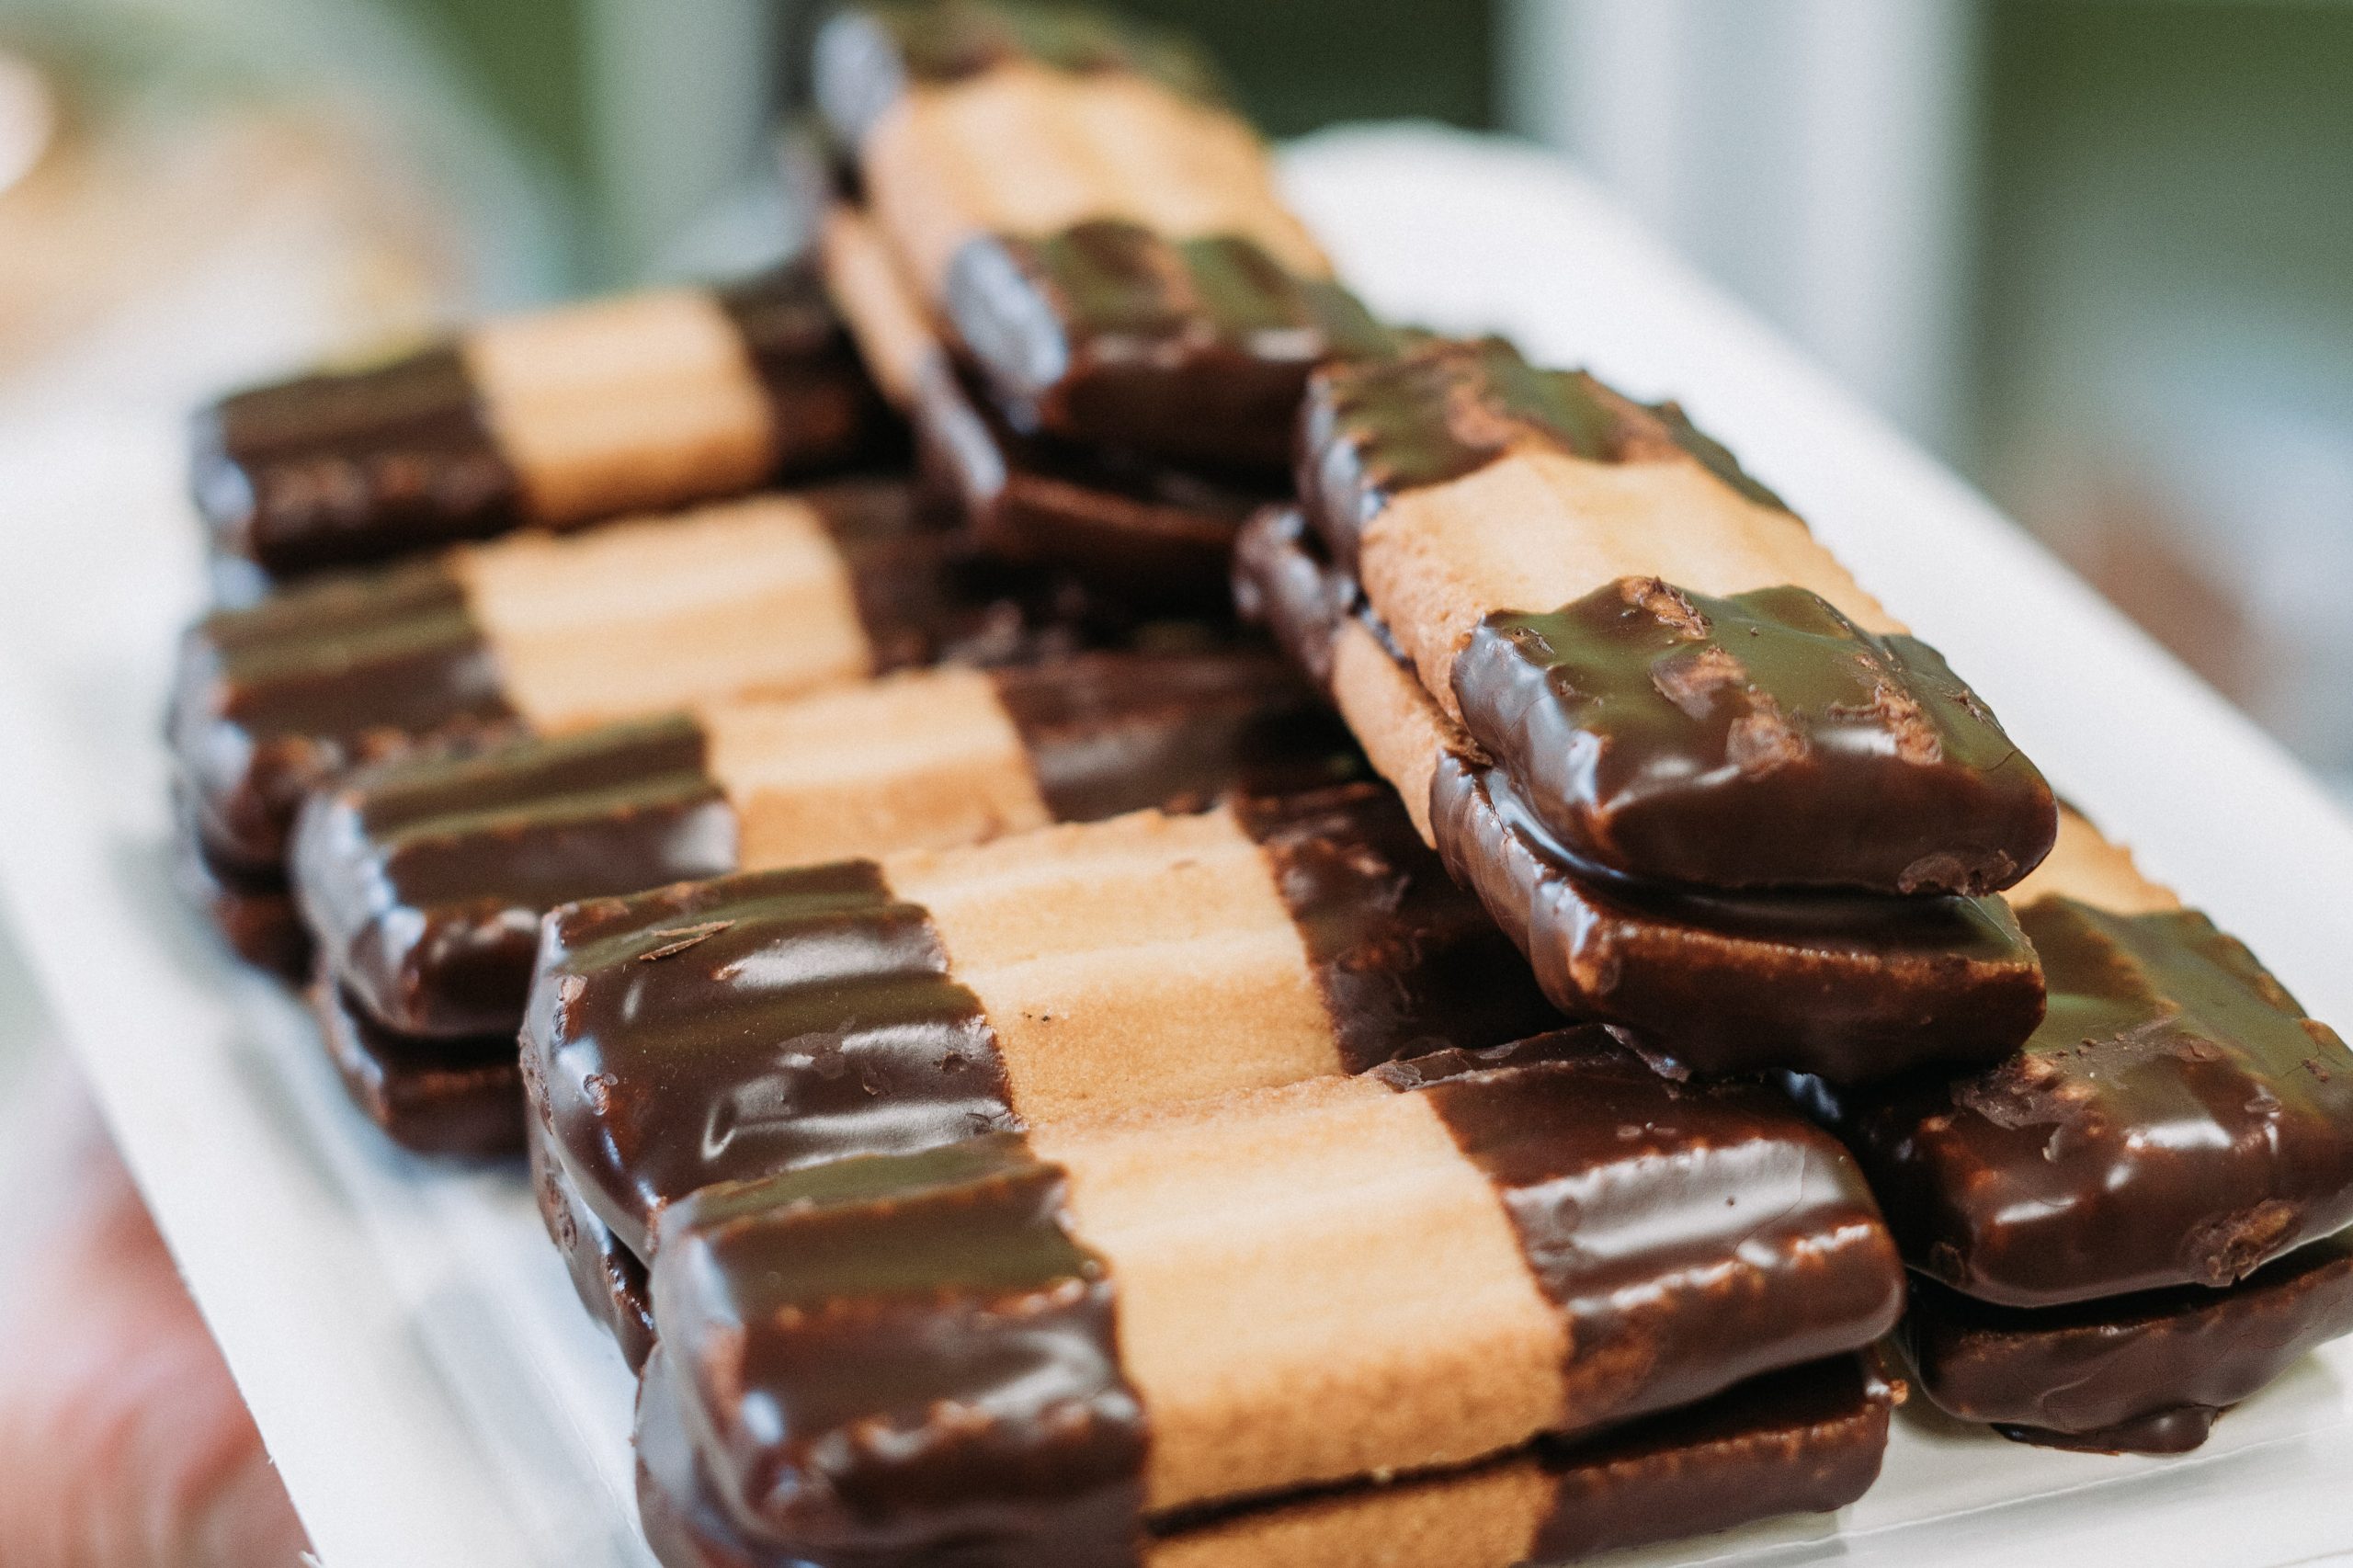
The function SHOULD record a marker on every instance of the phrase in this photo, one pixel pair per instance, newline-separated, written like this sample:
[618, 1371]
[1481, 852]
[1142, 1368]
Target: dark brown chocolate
[424, 878]
[2176, 1121]
[1758, 741]
[273, 700]
[812, 1321]
[253, 911]
[1405, 963]
[435, 1097]
[341, 469]
[1196, 350]
[1852, 986]
[1763, 1250]
[825, 413]
[1152, 535]
[2145, 1373]
[1436, 409]
[734, 1028]
[609, 1280]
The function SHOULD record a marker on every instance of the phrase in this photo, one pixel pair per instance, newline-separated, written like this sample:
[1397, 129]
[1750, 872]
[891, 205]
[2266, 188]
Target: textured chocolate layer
[734, 1028]
[814, 1319]
[275, 699]
[1762, 1249]
[1110, 734]
[2146, 1372]
[436, 1096]
[1762, 739]
[341, 469]
[1152, 534]
[1405, 963]
[1806, 1440]
[424, 878]
[1436, 409]
[1853, 986]
[824, 411]
[2176, 1120]
[609, 1280]
[1196, 349]
[867, 55]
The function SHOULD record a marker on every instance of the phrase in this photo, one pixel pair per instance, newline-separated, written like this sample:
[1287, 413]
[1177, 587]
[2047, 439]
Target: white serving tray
[406, 1336]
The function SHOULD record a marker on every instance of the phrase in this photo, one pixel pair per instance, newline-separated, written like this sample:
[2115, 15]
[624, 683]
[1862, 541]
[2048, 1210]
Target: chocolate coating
[1110, 734]
[735, 1028]
[1405, 963]
[273, 700]
[341, 469]
[609, 1280]
[1762, 739]
[2141, 1373]
[253, 912]
[1196, 350]
[1152, 534]
[424, 878]
[1692, 1235]
[825, 413]
[435, 1097]
[2176, 1121]
[1436, 409]
[811, 1320]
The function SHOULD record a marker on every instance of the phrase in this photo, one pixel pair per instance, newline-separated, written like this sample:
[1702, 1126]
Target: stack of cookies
[1464, 1065]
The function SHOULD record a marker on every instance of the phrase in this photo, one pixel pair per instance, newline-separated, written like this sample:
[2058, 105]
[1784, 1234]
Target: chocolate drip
[1406, 962]
[1754, 741]
[609, 1280]
[1692, 1235]
[1196, 350]
[344, 468]
[824, 412]
[2140, 1373]
[273, 700]
[435, 1097]
[2176, 1120]
[426, 877]
[1109, 734]
[1436, 409]
[738, 1027]
[867, 55]
[855, 1305]
[1855, 987]
[1152, 534]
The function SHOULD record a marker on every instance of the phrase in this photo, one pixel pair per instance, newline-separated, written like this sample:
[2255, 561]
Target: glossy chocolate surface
[867, 55]
[824, 412]
[1196, 350]
[435, 1097]
[345, 469]
[253, 911]
[275, 699]
[1436, 409]
[756, 1024]
[424, 878]
[1762, 739]
[1693, 1235]
[813, 1322]
[1851, 985]
[1405, 961]
[1155, 535]
[2176, 1121]
[1110, 734]
[2145, 1372]
[609, 1280]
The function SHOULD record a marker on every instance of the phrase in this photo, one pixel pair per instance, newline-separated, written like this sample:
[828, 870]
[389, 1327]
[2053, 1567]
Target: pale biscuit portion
[640, 401]
[1535, 530]
[920, 760]
[1026, 150]
[1143, 960]
[895, 338]
[1487, 1519]
[2092, 869]
[750, 598]
[1391, 717]
[1315, 1285]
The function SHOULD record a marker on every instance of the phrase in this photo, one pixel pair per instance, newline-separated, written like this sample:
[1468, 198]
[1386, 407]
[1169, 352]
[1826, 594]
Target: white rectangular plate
[406, 1335]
